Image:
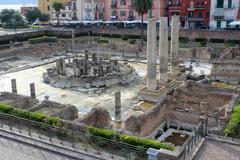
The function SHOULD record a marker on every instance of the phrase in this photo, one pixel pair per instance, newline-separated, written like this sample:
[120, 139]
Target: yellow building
[45, 6]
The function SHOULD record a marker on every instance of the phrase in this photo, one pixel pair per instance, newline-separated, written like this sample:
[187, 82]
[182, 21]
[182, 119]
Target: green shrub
[132, 41]
[101, 40]
[104, 133]
[233, 122]
[213, 40]
[233, 41]
[35, 116]
[125, 38]
[54, 121]
[203, 44]
[43, 39]
[184, 40]
[132, 140]
[200, 40]
[145, 142]
[4, 108]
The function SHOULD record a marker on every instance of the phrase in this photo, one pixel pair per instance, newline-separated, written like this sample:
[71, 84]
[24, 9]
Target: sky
[22, 2]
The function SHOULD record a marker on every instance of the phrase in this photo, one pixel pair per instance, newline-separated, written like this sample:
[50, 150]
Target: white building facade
[223, 12]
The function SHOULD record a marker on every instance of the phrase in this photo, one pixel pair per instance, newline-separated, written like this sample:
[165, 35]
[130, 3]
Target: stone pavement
[12, 150]
[215, 150]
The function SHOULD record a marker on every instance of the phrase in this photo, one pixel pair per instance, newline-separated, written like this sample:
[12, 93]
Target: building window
[190, 14]
[131, 13]
[123, 13]
[207, 14]
[114, 13]
[69, 7]
[123, 2]
[63, 15]
[229, 3]
[218, 24]
[200, 14]
[70, 15]
[48, 8]
[150, 13]
[219, 3]
[74, 5]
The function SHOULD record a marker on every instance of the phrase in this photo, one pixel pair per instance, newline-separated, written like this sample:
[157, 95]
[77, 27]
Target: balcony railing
[219, 17]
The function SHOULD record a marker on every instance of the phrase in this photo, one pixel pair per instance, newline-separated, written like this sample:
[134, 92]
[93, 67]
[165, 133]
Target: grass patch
[43, 39]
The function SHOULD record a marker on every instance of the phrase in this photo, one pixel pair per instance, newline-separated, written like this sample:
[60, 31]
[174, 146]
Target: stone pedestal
[118, 106]
[163, 49]
[174, 44]
[14, 85]
[151, 55]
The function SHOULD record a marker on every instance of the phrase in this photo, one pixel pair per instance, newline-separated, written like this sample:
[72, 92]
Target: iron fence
[79, 141]
[192, 142]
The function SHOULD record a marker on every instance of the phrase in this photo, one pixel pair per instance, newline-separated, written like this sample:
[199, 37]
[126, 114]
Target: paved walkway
[215, 150]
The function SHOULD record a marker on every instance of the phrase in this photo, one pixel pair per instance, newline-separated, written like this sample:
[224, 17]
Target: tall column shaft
[118, 106]
[174, 44]
[151, 55]
[163, 49]
[14, 85]
[32, 91]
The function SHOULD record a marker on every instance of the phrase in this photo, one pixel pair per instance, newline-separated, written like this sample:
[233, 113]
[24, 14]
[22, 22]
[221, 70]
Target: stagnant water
[177, 139]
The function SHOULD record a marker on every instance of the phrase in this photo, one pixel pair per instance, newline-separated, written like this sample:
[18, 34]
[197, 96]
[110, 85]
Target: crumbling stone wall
[98, 118]
[66, 112]
[143, 125]
[17, 101]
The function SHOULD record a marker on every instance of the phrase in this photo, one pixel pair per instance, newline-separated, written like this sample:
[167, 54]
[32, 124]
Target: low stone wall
[67, 33]
[144, 124]
[97, 117]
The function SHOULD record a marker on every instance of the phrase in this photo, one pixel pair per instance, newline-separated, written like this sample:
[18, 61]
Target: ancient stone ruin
[85, 74]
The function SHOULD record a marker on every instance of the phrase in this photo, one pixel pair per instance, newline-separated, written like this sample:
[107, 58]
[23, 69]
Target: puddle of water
[177, 139]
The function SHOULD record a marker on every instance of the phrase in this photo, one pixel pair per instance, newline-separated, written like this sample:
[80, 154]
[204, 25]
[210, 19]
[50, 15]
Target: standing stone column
[32, 91]
[73, 38]
[163, 49]
[14, 85]
[174, 44]
[118, 106]
[151, 55]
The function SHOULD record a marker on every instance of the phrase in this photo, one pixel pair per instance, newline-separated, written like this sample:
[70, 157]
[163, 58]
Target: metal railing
[192, 142]
[79, 141]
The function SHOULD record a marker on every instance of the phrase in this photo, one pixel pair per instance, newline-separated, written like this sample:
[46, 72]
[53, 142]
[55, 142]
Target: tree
[33, 15]
[142, 7]
[11, 19]
[57, 6]
[44, 17]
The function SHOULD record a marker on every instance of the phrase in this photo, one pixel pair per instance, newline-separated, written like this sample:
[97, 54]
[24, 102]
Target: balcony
[200, 6]
[195, 19]
[218, 17]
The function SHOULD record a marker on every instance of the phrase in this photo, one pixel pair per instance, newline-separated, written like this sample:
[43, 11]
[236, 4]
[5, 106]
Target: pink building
[122, 10]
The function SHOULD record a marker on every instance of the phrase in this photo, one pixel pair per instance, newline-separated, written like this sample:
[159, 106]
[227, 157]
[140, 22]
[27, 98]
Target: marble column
[174, 44]
[118, 106]
[14, 85]
[151, 55]
[32, 91]
[163, 49]
[73, 38]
